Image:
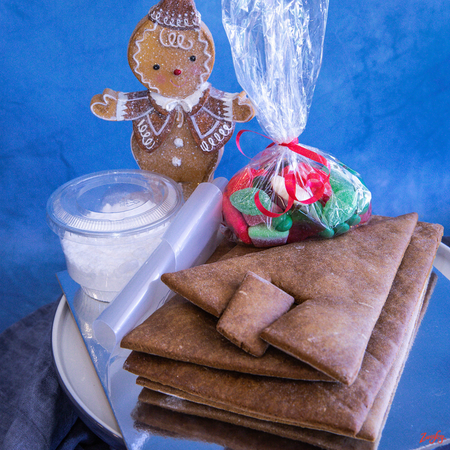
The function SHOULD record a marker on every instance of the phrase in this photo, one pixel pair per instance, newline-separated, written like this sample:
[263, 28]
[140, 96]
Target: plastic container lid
[113, 203]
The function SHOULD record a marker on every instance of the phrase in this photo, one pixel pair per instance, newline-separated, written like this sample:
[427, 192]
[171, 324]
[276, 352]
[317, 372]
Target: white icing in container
[109, 223]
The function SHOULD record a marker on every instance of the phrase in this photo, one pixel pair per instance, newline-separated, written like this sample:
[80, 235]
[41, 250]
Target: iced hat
[176, 14]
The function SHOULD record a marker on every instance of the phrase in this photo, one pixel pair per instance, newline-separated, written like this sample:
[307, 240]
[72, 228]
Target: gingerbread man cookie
[180, 123]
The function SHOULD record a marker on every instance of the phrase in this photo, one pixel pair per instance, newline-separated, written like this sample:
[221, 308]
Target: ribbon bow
[315, 180]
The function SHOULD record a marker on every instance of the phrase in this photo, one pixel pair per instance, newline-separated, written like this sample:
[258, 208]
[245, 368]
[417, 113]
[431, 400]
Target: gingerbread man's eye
[156, 66]
[193, 58]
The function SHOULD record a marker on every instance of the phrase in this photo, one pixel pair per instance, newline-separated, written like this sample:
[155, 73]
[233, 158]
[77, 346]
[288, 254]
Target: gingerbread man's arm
[231, 107]
[113, 105]
[243, 109]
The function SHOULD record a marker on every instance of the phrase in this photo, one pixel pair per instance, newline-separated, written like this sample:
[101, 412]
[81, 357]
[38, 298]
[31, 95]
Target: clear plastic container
[109, 223]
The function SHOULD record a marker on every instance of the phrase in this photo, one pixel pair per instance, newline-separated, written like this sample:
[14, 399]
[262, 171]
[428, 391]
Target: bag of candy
[288, 192]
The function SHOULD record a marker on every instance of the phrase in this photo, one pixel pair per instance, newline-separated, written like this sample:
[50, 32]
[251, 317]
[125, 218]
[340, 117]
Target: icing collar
[188, 103]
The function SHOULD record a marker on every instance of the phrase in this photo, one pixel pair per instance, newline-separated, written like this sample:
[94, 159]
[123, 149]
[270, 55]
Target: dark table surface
[35, 413]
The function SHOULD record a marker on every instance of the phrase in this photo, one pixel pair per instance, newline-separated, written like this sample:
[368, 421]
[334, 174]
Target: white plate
[79, 378]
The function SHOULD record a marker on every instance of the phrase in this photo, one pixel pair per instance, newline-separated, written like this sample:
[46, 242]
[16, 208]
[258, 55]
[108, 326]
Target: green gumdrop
[355, 184]
[339, 183]
[339, 208]
[341, 229]
[262, 231]
[282, 223]
[244, 201]
[354, 220]
[350, 170]
[327, 233]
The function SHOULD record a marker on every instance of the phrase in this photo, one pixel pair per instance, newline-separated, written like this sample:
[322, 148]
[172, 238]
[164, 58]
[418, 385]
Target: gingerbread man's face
[173, 63]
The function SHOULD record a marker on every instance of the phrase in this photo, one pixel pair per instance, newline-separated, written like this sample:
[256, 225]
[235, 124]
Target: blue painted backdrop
[381, 106]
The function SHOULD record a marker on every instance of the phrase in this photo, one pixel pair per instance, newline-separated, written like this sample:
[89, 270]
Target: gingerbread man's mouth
[179, 85]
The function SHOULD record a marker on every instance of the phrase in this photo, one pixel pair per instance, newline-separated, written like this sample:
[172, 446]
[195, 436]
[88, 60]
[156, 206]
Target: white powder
[104, 265]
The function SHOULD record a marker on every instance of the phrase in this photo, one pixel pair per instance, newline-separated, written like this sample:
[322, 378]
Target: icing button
[176, 161]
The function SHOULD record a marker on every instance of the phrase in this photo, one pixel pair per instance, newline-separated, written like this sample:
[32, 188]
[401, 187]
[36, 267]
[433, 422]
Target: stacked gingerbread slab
[306, 341]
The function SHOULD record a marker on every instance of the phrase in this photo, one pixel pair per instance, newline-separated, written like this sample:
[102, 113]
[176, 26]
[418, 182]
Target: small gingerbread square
[255, 305]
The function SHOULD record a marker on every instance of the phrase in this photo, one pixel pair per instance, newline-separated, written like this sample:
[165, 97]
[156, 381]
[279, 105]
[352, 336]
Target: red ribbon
[313, 180]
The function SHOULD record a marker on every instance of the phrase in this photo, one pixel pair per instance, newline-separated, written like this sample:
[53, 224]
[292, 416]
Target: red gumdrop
[234, 219]
[241, 180]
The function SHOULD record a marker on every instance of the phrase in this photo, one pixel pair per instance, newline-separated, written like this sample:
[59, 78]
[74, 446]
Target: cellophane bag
[288, 192]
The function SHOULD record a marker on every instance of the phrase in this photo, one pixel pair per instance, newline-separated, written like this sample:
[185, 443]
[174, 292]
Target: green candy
[339, 208]
[343, 202]
[365, 209]
[350, 170]
[244, 201]
[350, 181]
[282, 223]
[327, 233]
[298, 215]
[350, 198]
[339, 183]
[354, 220]
[341, 229]
[264, 232]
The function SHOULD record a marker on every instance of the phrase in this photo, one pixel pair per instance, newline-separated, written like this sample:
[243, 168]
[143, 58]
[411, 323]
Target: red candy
[242, 180]
[302, 230]
[232, 216]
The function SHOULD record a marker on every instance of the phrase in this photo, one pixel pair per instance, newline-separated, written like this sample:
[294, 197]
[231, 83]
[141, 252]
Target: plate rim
[64, 381]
